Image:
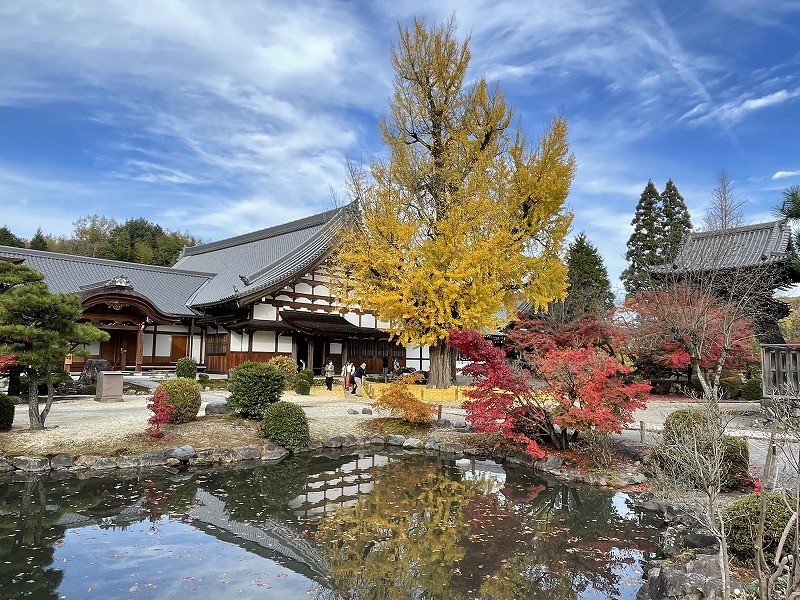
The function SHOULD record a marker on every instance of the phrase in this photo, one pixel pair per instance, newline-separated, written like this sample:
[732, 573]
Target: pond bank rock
[696, 580]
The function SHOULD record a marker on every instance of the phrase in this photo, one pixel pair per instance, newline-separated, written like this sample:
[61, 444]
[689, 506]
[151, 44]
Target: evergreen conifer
[644, 245]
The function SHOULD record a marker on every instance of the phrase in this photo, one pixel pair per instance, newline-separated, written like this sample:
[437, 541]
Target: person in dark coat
[359, 375]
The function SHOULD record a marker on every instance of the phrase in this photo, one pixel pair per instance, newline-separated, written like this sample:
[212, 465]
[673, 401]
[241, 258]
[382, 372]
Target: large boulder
[90, 370]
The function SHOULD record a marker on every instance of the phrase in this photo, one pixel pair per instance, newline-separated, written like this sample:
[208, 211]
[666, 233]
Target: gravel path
[81, 421]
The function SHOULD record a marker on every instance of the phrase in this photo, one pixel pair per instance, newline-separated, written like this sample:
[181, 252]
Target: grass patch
[214, 431]
[215, 384]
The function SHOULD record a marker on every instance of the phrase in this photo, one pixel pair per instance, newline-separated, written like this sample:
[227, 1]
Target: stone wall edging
[188, 456]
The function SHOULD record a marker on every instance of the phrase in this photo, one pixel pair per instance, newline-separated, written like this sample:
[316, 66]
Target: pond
[341, 526]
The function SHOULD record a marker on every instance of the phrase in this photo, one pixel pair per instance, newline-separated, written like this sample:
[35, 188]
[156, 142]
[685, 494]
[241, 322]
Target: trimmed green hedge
[186, 367]
[687, 424]
[254, 386]
[184, 395]
[741, 519]
[302, 387]
[751, 390]
[6, 412]
[286, 425]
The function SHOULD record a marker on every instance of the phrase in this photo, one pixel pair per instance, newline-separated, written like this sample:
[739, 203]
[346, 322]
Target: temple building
[249, 297]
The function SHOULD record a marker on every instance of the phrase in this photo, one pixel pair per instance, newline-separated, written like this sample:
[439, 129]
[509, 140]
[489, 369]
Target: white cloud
[784, 174]
[735, 111]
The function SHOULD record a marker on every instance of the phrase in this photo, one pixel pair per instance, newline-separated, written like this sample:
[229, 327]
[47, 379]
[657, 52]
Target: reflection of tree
[27, 543]
[569, 540]
[261, 491]
[401, 540]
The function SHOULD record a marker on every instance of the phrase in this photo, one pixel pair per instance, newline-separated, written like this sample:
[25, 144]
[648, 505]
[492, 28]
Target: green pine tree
[589, 289]
[675, 222]
[38, 241]
[9, 239]
[644, 245]
[38, 327]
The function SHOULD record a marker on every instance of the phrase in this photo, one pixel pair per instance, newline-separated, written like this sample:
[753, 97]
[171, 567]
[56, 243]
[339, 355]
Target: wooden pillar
[139, 347]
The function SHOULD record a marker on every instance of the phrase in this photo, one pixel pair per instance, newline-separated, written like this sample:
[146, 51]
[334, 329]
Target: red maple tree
[689, 326]
[565, 380]
[6, 361]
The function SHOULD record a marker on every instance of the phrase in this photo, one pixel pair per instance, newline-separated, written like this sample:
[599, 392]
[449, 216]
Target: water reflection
[349, 526]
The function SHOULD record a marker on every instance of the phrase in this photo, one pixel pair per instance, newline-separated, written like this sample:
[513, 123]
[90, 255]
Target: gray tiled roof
[737, 247]
[168, 289]
[261, 260]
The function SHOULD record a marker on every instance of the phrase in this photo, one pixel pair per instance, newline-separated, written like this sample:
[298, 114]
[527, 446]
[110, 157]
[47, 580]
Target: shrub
[286, 424]
[302, 387]
[89, 389]
[402, 403]
[751, 390]
[731, 383]
[308, 375]
[6, 412]
[690, 423]
[288, 367]
[202, 378]
[254, 386]
[741, 519]
[736, 454]
[184, 395]
[186, 367]
[682, 422]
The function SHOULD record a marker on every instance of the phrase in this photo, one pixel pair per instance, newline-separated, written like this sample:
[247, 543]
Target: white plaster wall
[412, 351]
[163, 345]
[196, 342]
[368, 321]
[173, 328]
[302, 288]
[265, 312]
[351, 317]
[239, 342]
[335, 348]
[147, 344]
[264, 341]
[284, 343]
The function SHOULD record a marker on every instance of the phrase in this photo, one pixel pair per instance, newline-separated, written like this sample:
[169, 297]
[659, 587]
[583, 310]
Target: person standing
[329, 369]
[385, 366]
[359, 376]
[347, 374]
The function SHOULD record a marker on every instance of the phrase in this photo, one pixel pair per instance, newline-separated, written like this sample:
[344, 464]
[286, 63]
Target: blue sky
[219, 117]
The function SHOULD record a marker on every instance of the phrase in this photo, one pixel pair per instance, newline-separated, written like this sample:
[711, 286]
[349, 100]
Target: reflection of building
[249, 297]
[278, 539]
[338, 487]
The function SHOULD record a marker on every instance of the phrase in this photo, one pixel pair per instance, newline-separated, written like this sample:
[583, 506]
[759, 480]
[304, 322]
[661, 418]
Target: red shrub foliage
[7, 360]
[562, 383]
[162, 411]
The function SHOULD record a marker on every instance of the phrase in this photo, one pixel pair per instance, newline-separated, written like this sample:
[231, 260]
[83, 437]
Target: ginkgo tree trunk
[462, 220]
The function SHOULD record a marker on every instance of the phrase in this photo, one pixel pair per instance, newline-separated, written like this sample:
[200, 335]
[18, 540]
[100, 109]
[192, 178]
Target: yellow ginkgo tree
[462, 220]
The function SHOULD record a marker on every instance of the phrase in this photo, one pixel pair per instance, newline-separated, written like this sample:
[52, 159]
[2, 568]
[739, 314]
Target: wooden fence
[780, 370]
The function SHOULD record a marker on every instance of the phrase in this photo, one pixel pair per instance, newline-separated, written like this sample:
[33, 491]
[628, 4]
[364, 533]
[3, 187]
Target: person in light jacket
[329, 370]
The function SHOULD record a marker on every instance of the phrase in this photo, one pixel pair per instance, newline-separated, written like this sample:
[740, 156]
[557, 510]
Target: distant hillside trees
[38, 241]
[660, 223]
[135, 240]
[9, 239]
